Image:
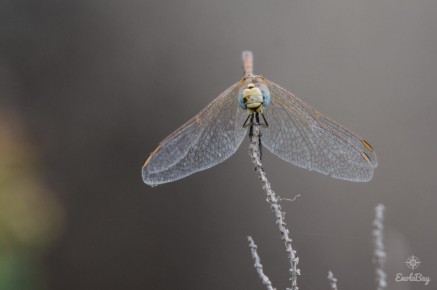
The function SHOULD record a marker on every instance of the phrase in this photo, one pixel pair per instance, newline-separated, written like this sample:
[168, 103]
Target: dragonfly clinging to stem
[291, 129]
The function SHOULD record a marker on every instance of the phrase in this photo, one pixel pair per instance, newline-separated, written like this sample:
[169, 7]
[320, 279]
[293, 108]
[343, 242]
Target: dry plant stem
[254, 151]
[332, 281]
[258, 266]
[379, 254]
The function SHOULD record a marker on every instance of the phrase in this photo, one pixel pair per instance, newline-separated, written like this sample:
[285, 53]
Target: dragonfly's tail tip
[246, 53]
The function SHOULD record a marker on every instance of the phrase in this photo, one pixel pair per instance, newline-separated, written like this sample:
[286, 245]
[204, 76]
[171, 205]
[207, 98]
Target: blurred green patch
[30, 216]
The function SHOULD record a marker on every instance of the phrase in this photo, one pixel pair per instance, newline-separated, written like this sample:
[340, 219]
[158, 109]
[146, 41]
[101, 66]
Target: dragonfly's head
[254, 96]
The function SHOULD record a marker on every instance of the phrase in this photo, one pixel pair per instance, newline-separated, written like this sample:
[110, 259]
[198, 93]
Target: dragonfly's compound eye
[265, 93]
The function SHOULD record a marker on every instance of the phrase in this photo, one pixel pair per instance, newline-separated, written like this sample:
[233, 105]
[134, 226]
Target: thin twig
[379, 255]
[254, 151]
[289, 199]
[258, 266]
[332, 281]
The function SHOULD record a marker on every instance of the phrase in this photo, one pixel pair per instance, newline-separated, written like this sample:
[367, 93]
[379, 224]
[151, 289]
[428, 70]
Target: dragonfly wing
[209, 138]
[301, 135]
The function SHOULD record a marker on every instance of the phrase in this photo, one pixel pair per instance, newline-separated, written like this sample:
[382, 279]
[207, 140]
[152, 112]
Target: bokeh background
[89, 88]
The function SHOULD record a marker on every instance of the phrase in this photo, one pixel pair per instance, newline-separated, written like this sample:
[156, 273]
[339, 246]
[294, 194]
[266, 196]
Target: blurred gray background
[97, 84]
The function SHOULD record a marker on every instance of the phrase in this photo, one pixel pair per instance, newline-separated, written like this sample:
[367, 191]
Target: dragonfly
[290, 129]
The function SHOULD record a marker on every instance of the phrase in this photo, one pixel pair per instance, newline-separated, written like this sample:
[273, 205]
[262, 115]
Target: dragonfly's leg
[265, 124]
[249, 121]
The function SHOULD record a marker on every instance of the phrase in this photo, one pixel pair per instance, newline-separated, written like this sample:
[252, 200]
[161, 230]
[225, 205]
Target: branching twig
[332, 281]
[379, 254]
[254, 151]
[273, 199]
[258, 266]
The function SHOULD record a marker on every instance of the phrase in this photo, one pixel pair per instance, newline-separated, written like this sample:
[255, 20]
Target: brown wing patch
[366, 157]
[367, 145]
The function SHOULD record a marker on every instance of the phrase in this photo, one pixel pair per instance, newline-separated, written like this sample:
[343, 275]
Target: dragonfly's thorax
[253, 96]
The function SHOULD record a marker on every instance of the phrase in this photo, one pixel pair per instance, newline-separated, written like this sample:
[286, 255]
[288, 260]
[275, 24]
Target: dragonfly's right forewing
[301, 135]
[209, 138]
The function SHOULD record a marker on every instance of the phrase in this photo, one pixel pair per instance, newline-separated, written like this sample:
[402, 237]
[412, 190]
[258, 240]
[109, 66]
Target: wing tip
[146, 178]
[144, 171]
[370, 155]
[151, 155]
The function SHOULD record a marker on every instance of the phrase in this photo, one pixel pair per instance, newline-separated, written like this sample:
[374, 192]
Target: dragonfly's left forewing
[207, 139]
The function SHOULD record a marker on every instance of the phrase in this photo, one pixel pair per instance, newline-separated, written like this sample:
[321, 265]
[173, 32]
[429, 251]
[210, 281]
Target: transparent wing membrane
[209, 138]
[295, 132]
[299, 134]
